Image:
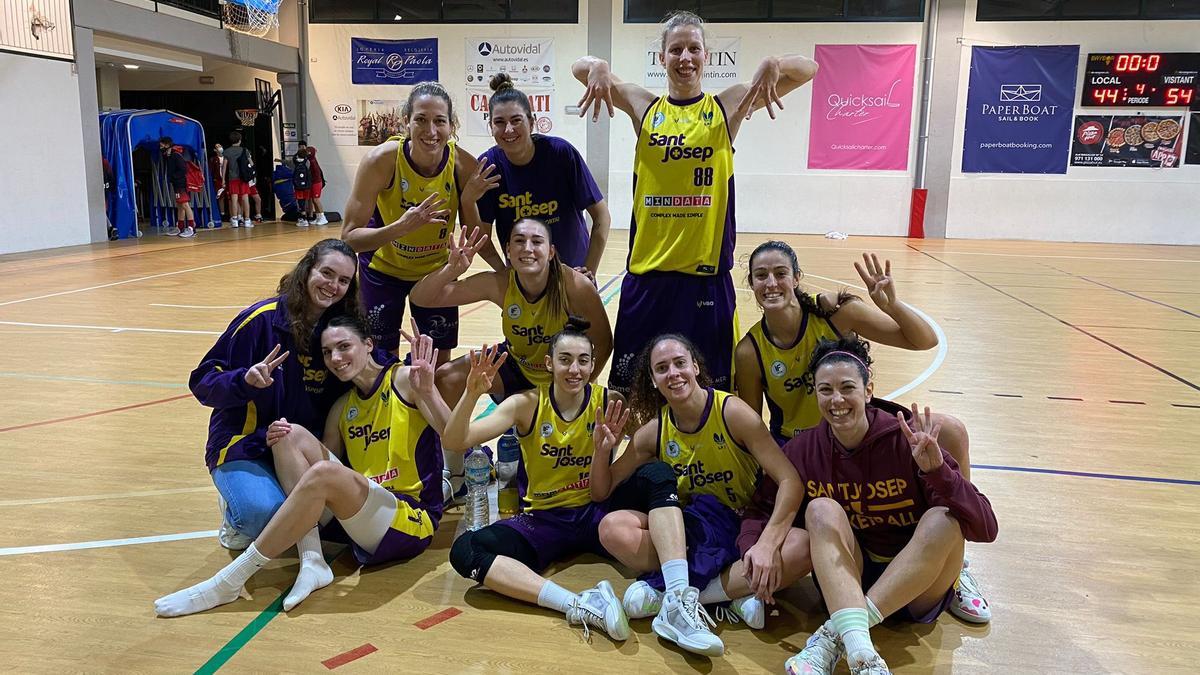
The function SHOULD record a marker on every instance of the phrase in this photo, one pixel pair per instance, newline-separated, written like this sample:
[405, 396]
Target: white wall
[44, 197]
[1107, 204]
[226, 77]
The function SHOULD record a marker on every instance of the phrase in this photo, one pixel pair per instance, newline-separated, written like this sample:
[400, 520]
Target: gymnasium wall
[228, 77]
[41, 132]
[1106, 204]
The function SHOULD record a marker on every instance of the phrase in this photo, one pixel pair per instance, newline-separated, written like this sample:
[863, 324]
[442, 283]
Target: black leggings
[473, 553]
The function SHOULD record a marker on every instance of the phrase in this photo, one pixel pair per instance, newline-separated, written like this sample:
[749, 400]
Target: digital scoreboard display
[1151, 80]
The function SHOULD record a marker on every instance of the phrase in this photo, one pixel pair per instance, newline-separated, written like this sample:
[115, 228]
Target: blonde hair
[681, 17]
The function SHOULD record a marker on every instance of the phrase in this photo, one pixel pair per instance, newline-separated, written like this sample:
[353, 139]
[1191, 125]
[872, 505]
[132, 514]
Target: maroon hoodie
[318, 176]
[879, 485]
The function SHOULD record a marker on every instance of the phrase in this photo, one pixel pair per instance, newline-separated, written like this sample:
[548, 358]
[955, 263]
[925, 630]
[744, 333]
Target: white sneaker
[969, 603]
[641, 600]
[684, 621]
[820, 655]
[749, 609]
[187, 233]
[301, 223]
[321, 220]
[246, 223]
[872, 666]
[171, 232]
[227, 536]
[599, 607]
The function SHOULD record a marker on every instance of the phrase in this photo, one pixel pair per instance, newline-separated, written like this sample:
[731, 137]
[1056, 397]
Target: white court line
[111, 329]
[106, 543]
[146, 278]
[1011, 255]
[113, 495]
[274, 262]
[160, 304]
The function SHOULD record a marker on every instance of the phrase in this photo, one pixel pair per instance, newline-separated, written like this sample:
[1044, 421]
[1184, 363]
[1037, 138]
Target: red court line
[94, 414]
[444, 615]
[353, 654]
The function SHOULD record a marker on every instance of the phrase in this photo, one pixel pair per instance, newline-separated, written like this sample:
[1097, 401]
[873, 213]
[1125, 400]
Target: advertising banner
[1193, 145]
[720, 71]
[393, 61]
[1019, 106]
[541, 102]
[343, 122]
[528, 61]
[378, 119]
[862, 107]
[1127, 140]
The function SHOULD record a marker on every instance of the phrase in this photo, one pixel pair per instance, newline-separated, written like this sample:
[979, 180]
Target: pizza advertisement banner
[1193, 144]
[1127, 140]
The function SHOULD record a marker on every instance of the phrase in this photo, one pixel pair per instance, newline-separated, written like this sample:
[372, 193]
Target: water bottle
[478, 473]
[508, 498]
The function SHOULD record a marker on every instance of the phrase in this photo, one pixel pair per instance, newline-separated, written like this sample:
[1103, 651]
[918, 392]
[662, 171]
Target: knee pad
[658, 484]
[469, 559]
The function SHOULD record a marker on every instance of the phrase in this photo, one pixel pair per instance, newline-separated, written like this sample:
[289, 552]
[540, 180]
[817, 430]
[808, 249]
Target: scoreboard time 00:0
[1152, 80]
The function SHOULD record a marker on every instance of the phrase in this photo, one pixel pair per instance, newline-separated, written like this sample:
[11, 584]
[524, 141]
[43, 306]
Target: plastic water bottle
[478, 473]
[508, 498]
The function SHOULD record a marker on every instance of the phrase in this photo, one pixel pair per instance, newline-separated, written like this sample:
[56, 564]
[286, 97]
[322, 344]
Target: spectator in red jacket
[318, 184]
[177, 177]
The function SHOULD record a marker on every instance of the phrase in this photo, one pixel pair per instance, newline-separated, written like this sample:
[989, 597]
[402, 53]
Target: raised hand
[599, 91]
[484, 365]
[422, 360]
[610, 426]
[428, 211]
[878, 280]
[259, 375]
[922, 436]
[483, 179]
[277, 430]
[763, 87]
[462, 253]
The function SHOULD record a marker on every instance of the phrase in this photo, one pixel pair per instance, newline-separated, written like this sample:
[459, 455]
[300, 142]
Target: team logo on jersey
[404, 184]
[590, 427]
[672, 449]
[778, 369]
[659, 118]
[351, 414]
[547, 428]
[447, 186]
[719, 439]
[384, 396]
[707, 118]
[514, 311]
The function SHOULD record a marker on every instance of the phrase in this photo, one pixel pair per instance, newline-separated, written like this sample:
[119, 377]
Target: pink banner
[862, 107]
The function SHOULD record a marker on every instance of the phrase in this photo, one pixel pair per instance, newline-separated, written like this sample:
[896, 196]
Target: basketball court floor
[1074, 366]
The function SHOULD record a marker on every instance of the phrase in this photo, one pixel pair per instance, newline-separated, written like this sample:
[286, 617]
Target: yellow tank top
[556, 455]
[683, 207]
[793, 408]
[708, 461]
[388, 441]
[425, 249]
[528, 327]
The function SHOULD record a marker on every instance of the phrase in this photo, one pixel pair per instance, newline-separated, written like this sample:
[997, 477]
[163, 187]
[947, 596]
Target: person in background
[302, 181]
[318, 184]
[239, 174]
[177, 177]
[217, 165]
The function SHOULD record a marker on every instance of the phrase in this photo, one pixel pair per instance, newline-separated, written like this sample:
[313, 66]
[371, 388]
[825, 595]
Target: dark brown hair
[506, 92]
[576, 327]
[850, 349]
[808, 302]
[294, 286]
[430, 89]
[645, 400]
[556, 285]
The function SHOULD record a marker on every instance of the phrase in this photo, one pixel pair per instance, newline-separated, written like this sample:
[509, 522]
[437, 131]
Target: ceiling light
[398, 18]
[131, 66]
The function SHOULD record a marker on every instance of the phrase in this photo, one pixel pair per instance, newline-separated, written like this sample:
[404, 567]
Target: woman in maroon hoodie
[886, 511]
[318, 184]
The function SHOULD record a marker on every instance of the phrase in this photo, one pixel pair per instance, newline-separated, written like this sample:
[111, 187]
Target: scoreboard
[1143, 79]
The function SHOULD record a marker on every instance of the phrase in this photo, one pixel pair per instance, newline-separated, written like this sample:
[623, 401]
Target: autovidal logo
[487, 49]
[1019, 103]
[342, 109]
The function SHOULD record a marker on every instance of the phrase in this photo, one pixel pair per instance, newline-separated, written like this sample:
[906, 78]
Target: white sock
[714, 592]
[224, 587]
[675, 574]
[553, 596]
[874, 616]
[314, 571]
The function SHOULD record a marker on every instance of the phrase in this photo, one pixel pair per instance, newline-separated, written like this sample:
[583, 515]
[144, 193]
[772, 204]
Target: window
[1084, 10]
[653, 11]
[444, 11]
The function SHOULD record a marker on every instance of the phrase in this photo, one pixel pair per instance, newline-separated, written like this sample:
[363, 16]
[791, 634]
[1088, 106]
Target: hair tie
[843, 353]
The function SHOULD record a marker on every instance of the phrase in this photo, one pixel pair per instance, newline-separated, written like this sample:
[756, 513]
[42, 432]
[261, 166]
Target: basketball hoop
[247, 116]
[252, 17]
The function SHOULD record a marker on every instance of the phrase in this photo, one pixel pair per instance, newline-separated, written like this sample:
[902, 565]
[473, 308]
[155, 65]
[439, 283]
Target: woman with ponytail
[540, 176]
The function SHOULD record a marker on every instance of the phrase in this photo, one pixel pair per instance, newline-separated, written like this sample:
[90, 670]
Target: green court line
[260, 622]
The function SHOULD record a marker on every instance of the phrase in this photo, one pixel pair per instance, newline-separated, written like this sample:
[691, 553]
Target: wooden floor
[1075, 367]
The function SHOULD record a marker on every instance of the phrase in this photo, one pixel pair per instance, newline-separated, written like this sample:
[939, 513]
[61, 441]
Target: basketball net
[247, 116]
[252, 17]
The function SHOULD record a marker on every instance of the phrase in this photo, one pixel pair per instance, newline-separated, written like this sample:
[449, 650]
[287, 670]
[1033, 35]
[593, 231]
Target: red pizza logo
[1090, 133]
[543, 124]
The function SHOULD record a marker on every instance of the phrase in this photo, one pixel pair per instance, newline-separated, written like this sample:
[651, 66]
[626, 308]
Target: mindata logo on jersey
[676, 201]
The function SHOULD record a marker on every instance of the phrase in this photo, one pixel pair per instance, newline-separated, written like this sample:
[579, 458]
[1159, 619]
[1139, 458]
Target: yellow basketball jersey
[793, 408]
[425, 249]
[683, 207]
[556, 455]
[708, 461]
[528, 327]
[388, 441]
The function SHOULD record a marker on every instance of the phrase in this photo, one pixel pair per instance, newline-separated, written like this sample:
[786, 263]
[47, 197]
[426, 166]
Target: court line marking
[92, 380]
[1086, 474]
[110, 329]
[95, 413]
[352, 655]
[1139, 297]
[434, 619]
[1005, 255]
[1072, 326]
[107, 543]
[147, 278]
[161, 304]
[111, 495]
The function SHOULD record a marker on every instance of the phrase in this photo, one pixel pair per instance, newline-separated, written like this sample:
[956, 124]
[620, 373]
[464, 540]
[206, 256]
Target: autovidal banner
[393, 61]
[720, 71]
[862, 107]
[1127, 140]
[1019, 106]
[528, 61]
